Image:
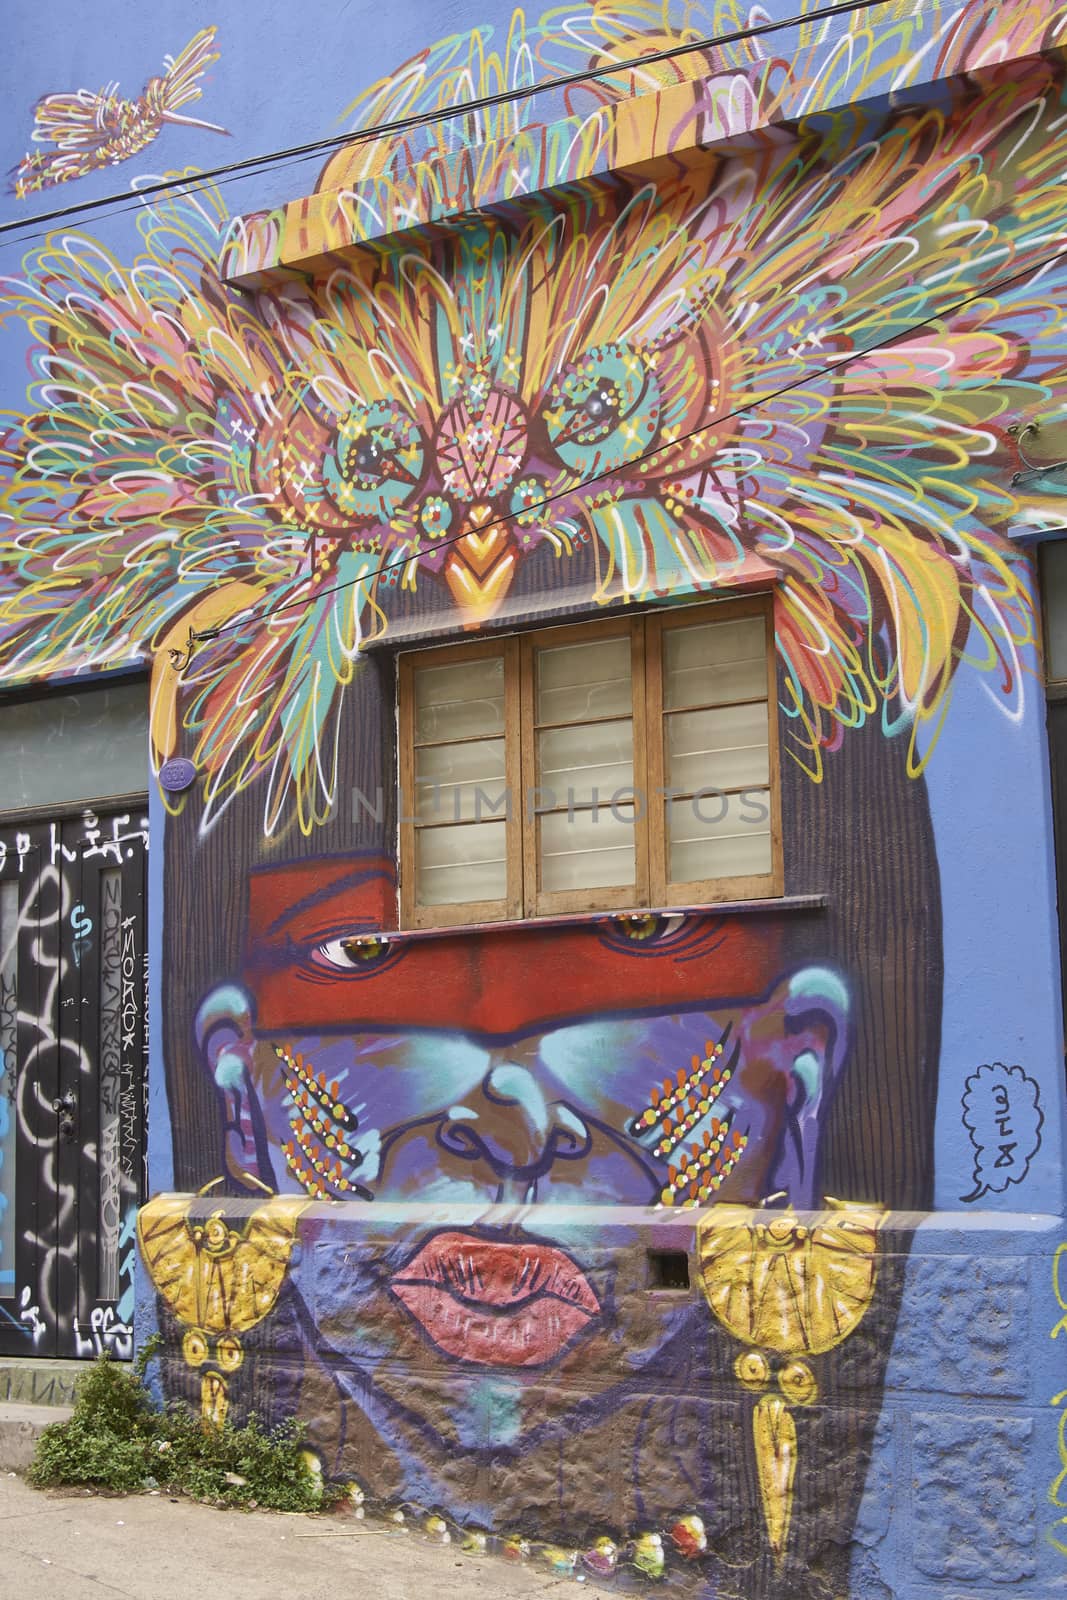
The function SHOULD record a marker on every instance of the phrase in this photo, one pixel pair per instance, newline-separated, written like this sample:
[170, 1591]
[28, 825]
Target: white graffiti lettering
[31, 1316]
[105, 1335]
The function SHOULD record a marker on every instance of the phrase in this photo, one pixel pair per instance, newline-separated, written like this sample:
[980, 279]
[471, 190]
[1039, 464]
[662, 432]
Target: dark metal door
[73, 1045]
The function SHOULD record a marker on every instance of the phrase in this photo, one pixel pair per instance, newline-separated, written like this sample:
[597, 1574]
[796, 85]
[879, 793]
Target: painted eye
[603, 405]
[358, 952]
[650, 929]
[367, 458]
[376, 462]
[675, 936]
[604, 410]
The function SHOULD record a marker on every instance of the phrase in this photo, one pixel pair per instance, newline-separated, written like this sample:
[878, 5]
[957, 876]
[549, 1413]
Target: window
[1052, 558]
[623, 763]
[84, 741]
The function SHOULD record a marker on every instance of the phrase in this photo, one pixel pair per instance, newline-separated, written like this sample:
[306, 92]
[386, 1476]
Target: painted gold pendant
[787, 1289]
[218, 1279]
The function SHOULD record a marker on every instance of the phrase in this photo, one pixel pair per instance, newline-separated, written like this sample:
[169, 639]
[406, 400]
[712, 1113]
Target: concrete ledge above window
[384, 197]
[772, 906]
[631, 116]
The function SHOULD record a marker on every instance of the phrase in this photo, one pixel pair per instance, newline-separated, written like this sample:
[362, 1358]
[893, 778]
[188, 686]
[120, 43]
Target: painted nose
[509, 1125]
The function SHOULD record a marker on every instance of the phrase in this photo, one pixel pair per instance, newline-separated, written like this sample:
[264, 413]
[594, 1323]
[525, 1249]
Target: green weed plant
[118, 1440]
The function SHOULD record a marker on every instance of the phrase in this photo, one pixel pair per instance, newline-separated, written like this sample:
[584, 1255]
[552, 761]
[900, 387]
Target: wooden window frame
[453, 913]
[651, 888]
[756, 886]
[559, 902]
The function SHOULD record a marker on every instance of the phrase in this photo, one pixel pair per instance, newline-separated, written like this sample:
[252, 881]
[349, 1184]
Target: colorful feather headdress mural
[651, 384]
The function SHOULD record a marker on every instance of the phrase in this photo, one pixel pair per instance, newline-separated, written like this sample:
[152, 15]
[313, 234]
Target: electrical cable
[209, 634]
[187, 188]
[293, 153]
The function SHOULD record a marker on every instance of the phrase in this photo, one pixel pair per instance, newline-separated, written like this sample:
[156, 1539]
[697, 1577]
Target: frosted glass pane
[84, 745]
[587, 850]
[1054, 584]
[572, 762]
[577, 682]
[456, 865]
[460, 701]
[719, 836]
[9, 918]
[715, 662]
[457, 781]
[718, 749]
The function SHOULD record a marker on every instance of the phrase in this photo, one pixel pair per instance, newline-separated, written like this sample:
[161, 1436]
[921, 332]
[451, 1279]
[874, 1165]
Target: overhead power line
[463, 108]
[208, 634]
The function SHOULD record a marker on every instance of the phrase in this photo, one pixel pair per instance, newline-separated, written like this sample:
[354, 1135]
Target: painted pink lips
[502, 1302]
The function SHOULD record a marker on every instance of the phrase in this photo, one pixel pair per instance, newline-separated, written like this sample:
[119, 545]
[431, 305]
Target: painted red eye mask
[493, 982]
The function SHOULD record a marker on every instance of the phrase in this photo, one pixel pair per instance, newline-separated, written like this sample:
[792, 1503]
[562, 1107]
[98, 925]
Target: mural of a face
[734, 342]
[640, 1061]
[500, 1113]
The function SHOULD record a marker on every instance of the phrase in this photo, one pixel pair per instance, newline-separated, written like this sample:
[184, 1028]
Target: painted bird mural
[620, 402]
[89, 130]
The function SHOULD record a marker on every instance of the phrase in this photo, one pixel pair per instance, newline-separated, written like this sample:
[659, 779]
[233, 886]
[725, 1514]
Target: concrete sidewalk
[61, 1545]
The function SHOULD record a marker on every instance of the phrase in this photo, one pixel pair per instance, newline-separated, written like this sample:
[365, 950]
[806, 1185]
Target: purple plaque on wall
[177, 774]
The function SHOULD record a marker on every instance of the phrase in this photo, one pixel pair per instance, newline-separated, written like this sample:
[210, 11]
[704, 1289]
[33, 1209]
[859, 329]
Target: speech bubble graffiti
[1002, 1115]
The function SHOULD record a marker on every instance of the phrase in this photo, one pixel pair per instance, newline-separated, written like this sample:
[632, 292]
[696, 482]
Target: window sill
[724, 908]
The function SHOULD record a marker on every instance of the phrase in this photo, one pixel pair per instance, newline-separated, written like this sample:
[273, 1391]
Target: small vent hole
[668, 1269]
